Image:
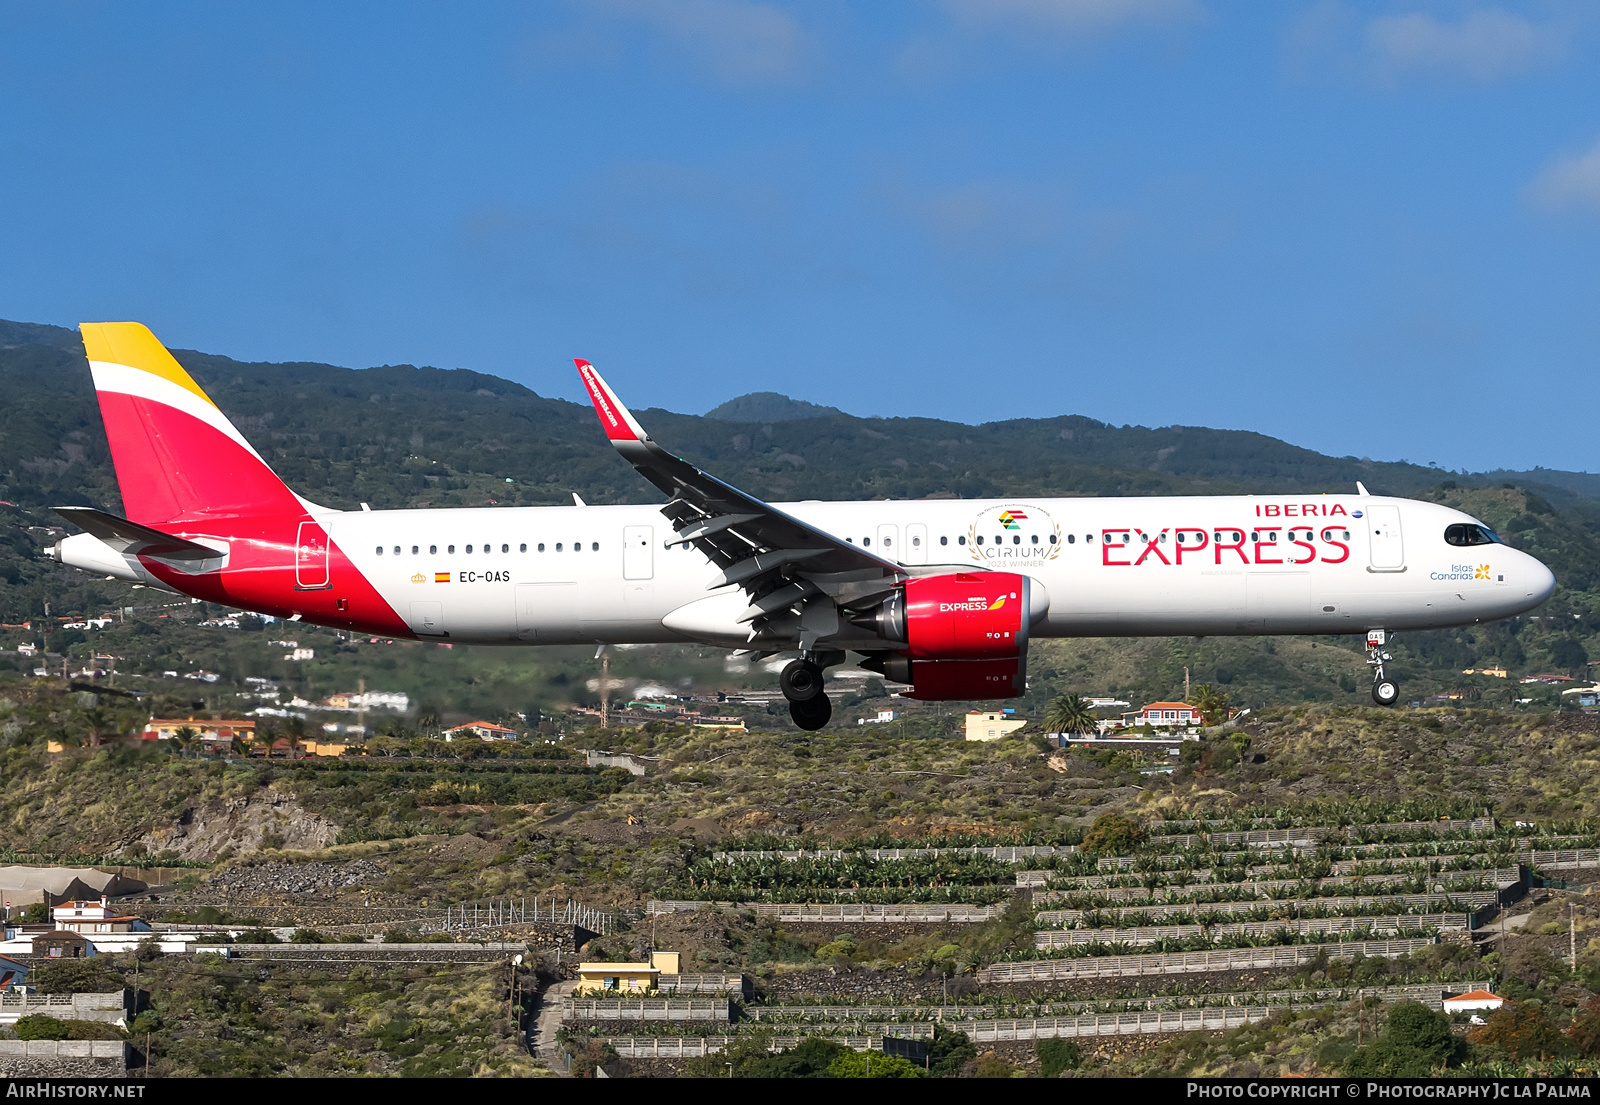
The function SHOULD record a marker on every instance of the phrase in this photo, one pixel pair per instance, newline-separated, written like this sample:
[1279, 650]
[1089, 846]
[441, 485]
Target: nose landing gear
[1385, 691]
[801, 683]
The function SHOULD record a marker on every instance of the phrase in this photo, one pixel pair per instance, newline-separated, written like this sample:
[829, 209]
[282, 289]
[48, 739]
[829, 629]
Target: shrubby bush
[1415, 1041]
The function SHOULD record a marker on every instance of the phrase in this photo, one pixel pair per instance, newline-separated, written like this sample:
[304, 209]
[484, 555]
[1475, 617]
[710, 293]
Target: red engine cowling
[965, 634]
[966, 616]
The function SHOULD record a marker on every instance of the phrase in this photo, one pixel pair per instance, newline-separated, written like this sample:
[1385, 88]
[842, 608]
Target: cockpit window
[1469, 533]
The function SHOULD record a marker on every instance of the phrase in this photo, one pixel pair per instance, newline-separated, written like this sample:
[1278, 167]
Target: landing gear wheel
[813, 713]
[1385, 691]
[801, 681]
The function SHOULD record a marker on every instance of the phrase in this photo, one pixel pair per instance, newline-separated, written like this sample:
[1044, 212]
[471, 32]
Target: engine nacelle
[960, 616]
[962, 635]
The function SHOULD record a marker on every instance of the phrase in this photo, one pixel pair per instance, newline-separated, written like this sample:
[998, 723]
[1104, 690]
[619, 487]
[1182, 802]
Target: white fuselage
[1264, 564]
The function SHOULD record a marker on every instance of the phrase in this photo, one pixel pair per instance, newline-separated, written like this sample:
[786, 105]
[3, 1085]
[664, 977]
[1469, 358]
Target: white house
[483, 730]
[1472, 1001]
[94, 918]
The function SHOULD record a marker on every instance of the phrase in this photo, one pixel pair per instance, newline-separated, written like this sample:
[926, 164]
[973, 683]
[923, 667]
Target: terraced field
[1310, 917]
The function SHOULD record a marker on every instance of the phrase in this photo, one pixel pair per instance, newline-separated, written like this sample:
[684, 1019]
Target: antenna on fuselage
[1361, 489]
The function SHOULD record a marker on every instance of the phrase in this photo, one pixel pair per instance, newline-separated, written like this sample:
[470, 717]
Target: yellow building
[625, 978]
[991, 725]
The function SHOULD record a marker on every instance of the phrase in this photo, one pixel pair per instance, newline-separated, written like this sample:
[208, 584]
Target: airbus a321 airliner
[940, 595]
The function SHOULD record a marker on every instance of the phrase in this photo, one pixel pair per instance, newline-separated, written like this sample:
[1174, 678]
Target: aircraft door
[547, 611]
[916, 550]
[311, 558]
[889, 542]
[638, 552]
[1388, 552]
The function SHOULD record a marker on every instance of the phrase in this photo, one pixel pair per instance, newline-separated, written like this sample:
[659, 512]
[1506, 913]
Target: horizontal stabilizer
[131, 537]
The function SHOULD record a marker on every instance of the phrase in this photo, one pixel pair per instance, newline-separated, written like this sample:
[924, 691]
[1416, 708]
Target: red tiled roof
[1476, 995]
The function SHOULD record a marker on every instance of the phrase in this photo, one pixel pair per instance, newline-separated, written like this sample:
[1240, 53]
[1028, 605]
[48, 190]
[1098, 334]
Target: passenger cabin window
[522, 547]
[469, 548]
[866, 541]
[507, 548]
[961, 540]
[413, 550]
[397, 550]
[1466, 533]
[594, 546]
[944, 540]
[541, 546]
[449, 548]
[380, 550]
[433, 550]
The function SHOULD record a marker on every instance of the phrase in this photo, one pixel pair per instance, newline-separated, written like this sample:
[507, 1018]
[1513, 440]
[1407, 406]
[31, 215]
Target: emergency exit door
[638, 552]
[1388, 550]
[311, 558]
[888, 542]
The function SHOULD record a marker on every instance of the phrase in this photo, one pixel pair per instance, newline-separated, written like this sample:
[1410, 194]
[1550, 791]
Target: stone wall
[63, 1059]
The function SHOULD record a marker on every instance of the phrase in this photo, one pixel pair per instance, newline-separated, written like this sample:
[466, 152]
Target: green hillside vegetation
[401, 436]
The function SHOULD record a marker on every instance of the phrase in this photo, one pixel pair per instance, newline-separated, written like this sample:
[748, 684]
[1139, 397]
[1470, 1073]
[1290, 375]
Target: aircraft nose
[1541, 581]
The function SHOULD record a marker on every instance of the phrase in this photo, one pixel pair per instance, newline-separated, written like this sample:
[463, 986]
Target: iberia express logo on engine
[1014, 535]
[975, 605]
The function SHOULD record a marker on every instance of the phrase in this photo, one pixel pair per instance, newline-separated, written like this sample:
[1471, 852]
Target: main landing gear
[1385, 691]
[801, 682]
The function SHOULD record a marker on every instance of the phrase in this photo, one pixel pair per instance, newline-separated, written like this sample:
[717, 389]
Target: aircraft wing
[777, 559]
[131, 537]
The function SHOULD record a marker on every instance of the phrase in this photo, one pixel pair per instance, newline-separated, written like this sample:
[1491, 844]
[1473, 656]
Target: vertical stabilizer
[177, 456]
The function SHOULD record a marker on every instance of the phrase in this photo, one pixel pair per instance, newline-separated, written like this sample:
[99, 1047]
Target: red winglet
[619, 424]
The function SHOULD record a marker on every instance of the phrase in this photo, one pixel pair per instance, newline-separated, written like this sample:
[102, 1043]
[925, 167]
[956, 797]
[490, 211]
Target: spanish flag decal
[441, 577]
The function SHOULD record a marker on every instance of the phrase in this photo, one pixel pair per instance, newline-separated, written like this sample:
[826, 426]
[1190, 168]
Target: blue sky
[1366, 228]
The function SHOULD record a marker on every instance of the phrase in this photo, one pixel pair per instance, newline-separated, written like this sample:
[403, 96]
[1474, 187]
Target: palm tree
[1070, 713]
[1212, 702]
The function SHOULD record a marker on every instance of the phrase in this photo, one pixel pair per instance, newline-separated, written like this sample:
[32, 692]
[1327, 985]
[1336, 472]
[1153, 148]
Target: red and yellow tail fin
[177, 456]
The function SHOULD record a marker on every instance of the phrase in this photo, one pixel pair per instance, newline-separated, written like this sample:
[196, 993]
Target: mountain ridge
[331, 431]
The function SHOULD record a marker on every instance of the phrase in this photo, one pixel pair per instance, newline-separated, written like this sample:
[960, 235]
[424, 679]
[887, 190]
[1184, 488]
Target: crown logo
[419, 578]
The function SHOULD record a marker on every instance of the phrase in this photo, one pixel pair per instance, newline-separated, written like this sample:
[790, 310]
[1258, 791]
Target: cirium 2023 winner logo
[1014, 535]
